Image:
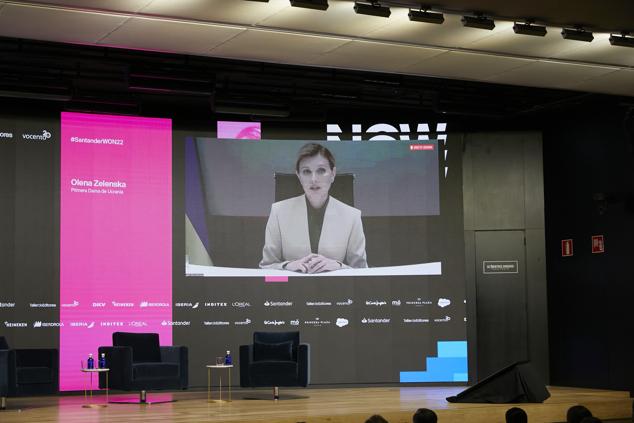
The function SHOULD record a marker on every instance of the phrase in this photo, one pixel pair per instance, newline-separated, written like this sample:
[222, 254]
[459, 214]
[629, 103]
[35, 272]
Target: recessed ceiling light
[373, 8]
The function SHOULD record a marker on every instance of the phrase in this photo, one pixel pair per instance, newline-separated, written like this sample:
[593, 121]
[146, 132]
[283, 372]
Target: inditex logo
[443, 302]
[111, 324]
[7, 305]
[274, 322]
[386, 132]
[45, 135]
[15, 324]
[220, 304]
[75, 303]
[278, 303]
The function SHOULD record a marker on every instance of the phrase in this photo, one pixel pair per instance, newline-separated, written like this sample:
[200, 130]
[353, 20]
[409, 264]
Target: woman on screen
[314, 232]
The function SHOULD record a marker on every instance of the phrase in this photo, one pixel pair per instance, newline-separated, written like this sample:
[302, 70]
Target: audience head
[576, 413]
[516, 415]
[424, 415]
[376, 419]
[591, 419]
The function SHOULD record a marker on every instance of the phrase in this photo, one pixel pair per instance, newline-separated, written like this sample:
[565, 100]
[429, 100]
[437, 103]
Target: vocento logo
[45, 135]
[387, 132]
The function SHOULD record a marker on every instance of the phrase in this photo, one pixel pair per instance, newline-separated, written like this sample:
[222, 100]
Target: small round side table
[91, 372]
[228, 367]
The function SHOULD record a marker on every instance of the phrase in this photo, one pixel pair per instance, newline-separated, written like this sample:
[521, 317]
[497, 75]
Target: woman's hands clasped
[313, 263]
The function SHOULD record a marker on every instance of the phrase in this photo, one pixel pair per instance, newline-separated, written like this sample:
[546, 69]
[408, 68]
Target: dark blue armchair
[138, 363]
[275, 359]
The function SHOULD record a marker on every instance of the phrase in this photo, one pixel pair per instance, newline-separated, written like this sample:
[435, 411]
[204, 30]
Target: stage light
[478, 21]
[578, 34]
[310, 4]
[425, 16]
[529, 29]
[623, 40]
[372, 8]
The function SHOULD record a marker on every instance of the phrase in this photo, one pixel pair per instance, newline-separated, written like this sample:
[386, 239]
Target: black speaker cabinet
[516, 383]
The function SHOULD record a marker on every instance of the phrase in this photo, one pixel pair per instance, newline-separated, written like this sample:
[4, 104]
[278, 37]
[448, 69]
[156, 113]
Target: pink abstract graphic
[239, 130]
[115, 232]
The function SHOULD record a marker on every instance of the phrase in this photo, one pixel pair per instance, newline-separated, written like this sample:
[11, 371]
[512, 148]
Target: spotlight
[478, 21]
[425, 16]
[623, 40]
[529, 29]
[372, 8]
[311, 4]
[578, 34]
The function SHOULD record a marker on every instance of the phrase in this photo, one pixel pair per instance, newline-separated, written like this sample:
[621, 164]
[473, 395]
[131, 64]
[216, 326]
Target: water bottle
[228, 360]
[90, 364]
[102, 361]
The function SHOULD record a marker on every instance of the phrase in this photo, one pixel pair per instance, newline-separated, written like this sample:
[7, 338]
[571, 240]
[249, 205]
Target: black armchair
[4, 373]
[138, 363]
[275, 359]
[33, 371]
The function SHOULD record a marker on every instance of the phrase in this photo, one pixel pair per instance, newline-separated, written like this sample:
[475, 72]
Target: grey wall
[503, 191]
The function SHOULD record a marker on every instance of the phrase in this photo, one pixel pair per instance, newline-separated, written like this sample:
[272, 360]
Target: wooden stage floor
[316, 405]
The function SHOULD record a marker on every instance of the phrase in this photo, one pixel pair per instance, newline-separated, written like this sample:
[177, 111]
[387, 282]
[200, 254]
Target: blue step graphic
[449, 366]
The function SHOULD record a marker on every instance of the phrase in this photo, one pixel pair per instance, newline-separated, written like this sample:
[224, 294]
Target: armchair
[33, 371]
[138, 363]
[275, 359]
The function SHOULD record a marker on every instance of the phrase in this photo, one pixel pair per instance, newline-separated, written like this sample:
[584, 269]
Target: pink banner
[115, 234]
